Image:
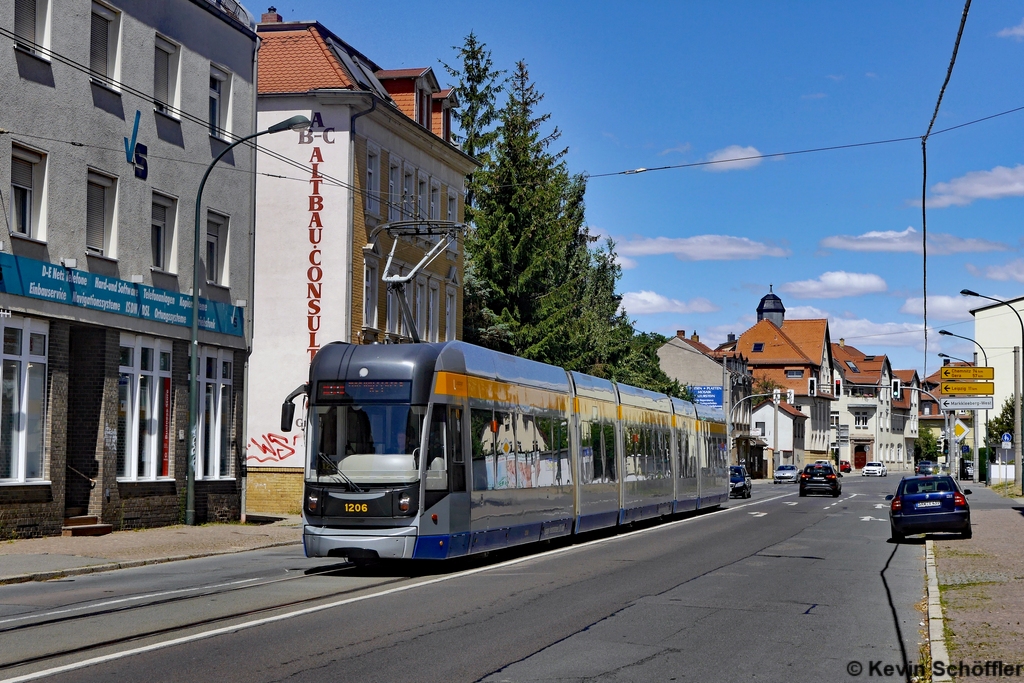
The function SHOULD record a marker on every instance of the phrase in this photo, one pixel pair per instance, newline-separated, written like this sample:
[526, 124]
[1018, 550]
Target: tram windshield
[366, 444]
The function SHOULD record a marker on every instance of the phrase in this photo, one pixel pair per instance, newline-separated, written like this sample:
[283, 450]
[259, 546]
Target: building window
[22, 399]
[99, 214]
[216, 414]
[28, 174]
[394, 200]
[433, 310]
[435, 202]
[449, 314]
[162, 235]
[834, 418]
[216, 248]
[165, 75]
[144, 408]
[408, 198]
[220, 98]
[860, 419]
[372, 179]
[421, 193]
[420, 307]
[30, 23]
[103, 43]
[758, 347]
[794, 374]
[452, 209]
[370, 295]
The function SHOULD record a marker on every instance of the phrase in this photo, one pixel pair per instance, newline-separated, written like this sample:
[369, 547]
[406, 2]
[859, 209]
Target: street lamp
[294, 123]
[946, 355]
[977, 463]
[1016, 384]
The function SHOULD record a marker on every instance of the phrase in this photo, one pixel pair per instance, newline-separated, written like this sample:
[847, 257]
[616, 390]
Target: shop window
[144, 408]
[22, 400]
[216, 413]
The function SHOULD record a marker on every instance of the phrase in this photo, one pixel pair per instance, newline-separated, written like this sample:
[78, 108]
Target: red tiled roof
[869, 368]
[298, 61]
[384, 74]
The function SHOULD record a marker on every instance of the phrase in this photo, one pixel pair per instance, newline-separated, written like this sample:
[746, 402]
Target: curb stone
[936, 639]
[127, 564]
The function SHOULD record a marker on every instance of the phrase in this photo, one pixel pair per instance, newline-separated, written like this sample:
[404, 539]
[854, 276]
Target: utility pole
[974, 428]
[776, 398]
[1017, 469]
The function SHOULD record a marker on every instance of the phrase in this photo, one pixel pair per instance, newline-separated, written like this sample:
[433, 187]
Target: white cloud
[909, 240]
[679, 149]
[835, 284]
[700, 248]
[1014, 270]
[805, 313]
[940, 307]
[625, 262]
[745, 157]
[861, 332]
[1015, 32]
[998, 183]
[647, 302]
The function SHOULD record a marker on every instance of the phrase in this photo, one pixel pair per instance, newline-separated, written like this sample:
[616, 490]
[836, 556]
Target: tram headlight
[404, 502]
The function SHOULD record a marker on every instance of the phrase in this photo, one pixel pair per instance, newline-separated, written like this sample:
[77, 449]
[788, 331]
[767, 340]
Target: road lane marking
[869, 518]
[880, 506]
[758, 514]
[348, 601]
[791, 502]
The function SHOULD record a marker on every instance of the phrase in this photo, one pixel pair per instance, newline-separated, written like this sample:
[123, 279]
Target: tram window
[589, 467]
[457, 472]
[437, 465]
[369, 444]
[505, 450]
[482, 436]
[608, 446]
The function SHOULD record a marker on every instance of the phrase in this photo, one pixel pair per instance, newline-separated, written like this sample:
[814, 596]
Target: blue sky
[642, 85]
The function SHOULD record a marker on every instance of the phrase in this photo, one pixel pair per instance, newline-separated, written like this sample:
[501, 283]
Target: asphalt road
[773, 588]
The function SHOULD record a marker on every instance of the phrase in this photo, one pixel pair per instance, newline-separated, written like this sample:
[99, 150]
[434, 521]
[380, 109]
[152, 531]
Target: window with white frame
[394, 196]
[28, 182]
[860, 419]
[216, 248]
[103, 32]
[435, 201]
[449, 314]
[220, 99]
[23, 400]
[144, 408]
[421, 193]
[408, 196]
[99, 214]
[162, 232]
[216, 411]
[165, 75]
[370, 294]
[433, 309]
[420, 306]
[372, 180]
[30, 26]
[452, 213]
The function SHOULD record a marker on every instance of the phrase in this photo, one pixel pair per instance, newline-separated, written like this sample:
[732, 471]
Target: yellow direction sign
[968, 388]
[965, 372]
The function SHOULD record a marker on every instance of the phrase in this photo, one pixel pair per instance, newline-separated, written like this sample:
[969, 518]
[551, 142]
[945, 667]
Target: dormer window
[758, 347]
[423, 107]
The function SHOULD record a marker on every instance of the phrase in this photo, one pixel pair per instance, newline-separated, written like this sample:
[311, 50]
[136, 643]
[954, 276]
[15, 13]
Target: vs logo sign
[135, 152]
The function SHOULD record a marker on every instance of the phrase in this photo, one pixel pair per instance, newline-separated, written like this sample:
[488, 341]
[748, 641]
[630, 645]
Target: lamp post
[294, 123]
[977, 460]
[1018, 469]
[946, 355]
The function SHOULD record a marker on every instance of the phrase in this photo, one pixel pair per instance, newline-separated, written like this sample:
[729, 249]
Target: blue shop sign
[40, 280]
[708, 395]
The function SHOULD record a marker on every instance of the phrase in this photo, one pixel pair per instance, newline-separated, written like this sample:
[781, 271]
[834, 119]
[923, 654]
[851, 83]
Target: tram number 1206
[356, 507]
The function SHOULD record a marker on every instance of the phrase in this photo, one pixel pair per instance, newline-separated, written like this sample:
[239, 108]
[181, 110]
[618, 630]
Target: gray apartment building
[110, 112]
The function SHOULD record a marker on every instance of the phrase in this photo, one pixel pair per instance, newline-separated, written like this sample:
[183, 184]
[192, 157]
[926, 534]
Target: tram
[439, 450]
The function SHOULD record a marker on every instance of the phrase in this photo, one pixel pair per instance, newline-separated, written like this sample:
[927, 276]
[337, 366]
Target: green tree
[478, 86]
[765, 385]
[926, 446]
[1001, 423]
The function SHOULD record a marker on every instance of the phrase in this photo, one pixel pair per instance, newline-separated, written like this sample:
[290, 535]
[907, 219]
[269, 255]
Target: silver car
[786, 473]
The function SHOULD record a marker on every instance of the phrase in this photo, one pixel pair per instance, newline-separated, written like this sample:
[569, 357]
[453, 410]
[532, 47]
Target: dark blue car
[739, 482]
[927, 503]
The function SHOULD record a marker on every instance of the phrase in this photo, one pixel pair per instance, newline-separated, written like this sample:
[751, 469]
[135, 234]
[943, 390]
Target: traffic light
[897, 388]
[945, 446]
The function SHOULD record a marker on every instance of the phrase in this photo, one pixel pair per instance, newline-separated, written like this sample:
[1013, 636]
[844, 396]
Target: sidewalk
[981, 582]
[41, 559]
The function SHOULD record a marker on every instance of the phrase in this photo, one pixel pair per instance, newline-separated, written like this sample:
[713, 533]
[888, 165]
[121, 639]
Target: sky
[837, 234]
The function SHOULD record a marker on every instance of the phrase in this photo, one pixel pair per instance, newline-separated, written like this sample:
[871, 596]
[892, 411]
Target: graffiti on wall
[271, 447]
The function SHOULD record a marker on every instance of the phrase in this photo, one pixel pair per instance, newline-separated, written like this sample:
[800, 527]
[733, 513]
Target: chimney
[681, 334]
[945, 361]
[271, 16]
[695, 337]
[842, 343]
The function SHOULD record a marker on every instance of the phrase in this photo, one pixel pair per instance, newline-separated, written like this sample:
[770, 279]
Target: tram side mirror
[287, 416]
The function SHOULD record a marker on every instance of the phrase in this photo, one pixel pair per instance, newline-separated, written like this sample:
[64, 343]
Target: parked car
[788, 473]
[874, 469]
[967, 469]
[739, 482]
[844, 466]
[926, 467]
[926, 503]
[820, 477]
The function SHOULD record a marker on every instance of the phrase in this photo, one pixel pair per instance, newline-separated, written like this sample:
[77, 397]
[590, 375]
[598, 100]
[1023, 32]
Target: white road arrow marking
[869, 518]
[791, 503]
[757, 514]
[880, 506]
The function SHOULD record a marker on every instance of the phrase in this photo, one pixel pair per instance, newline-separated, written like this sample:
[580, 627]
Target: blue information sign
[1007, 437]
[40, 280]
[708, 395]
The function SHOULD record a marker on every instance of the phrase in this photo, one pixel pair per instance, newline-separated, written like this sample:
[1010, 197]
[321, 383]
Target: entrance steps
[85, 525]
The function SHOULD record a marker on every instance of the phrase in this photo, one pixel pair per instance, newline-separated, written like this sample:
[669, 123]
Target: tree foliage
[926, 446]
[764, 384]
[1001, 423]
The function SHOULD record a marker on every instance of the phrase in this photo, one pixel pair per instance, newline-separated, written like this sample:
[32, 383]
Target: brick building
[378, 151]
[110, 112]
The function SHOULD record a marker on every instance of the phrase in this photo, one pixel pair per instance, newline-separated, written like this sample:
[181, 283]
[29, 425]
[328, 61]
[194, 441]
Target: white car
[874, 469]
[787, 473]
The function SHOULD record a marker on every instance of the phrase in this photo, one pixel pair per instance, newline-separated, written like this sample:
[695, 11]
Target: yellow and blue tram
[435, 451]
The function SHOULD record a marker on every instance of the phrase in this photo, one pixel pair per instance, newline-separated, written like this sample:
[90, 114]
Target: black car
[739, 481]
[926, 467]
[925, 503]
[820, 477]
